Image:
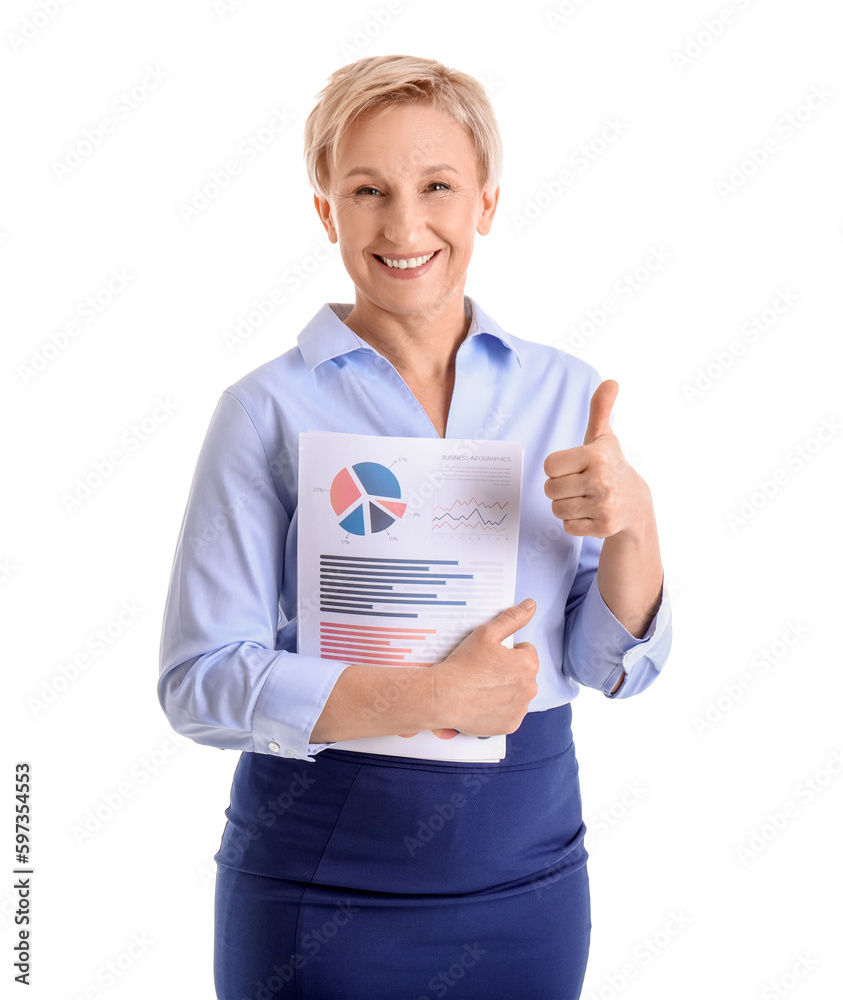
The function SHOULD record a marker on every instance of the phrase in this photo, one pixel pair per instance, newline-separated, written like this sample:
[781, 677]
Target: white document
[405, 545]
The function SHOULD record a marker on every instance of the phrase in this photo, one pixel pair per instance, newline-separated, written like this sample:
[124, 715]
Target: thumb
[600, 410]
[511, 619]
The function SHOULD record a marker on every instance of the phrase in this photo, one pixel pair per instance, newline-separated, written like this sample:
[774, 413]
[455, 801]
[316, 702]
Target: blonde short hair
[382, 81]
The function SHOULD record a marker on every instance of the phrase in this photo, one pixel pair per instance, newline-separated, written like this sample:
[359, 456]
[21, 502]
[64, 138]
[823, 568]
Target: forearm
[371, 700]
[630, 575]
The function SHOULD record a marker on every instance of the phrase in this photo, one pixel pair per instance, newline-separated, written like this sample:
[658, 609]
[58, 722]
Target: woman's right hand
[483, 687]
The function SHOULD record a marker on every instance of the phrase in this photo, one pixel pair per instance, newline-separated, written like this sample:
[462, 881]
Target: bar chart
[447, 596]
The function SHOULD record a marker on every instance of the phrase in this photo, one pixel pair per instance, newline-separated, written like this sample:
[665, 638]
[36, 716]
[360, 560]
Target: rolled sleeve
[599, 651]
[290, 702]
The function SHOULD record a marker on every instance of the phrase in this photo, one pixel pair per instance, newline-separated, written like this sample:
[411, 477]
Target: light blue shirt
[230, 675]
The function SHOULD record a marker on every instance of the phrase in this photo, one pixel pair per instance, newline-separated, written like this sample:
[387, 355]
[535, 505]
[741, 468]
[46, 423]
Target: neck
[420, 344]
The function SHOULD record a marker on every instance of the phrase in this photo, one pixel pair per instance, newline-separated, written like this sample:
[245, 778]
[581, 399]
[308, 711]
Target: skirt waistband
[541, 736]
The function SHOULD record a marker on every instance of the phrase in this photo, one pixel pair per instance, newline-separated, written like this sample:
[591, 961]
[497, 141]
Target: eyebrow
[373, 172]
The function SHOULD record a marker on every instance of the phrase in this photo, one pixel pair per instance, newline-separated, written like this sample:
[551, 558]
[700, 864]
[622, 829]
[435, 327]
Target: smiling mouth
[403, 263]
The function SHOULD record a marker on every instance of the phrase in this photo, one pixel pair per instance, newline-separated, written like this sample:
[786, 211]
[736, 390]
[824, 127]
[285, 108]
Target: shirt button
[273, 746]
[291, 753]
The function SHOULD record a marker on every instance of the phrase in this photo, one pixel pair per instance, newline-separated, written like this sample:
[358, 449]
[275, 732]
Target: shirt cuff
[296, 690]
[619, 655]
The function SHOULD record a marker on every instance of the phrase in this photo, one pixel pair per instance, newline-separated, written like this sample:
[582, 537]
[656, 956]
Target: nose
[404, 221]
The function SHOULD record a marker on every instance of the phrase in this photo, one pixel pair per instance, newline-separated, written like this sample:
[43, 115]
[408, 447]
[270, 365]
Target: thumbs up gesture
[594, 490]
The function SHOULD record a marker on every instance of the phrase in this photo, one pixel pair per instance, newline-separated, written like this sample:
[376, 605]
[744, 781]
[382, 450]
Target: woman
[344, 874]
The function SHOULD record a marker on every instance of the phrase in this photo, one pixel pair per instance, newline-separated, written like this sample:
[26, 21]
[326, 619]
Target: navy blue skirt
[365, 875]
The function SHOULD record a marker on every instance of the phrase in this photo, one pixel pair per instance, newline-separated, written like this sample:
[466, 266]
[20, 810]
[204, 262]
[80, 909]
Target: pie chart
[366, 497]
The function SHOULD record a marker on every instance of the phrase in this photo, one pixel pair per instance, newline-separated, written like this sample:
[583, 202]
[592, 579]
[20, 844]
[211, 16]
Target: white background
[556, 73]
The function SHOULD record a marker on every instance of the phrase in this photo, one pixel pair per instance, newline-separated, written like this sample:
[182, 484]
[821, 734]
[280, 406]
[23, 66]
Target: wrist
[435, 695]
[410, 694]
[640, 530]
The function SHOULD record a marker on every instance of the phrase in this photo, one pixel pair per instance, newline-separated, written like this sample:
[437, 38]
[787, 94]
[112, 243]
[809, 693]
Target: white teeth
[412, 262]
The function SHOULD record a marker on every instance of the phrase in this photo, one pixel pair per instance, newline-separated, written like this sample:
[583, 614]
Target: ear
[489, 204]
[323, 209]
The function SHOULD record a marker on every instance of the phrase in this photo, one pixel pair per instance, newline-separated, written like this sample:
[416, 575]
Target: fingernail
[528, 604]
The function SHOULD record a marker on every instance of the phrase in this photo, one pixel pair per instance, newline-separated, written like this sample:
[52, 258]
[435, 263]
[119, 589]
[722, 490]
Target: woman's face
[404, 184]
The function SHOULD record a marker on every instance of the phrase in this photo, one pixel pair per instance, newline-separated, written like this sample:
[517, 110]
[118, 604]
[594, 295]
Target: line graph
[467, 517]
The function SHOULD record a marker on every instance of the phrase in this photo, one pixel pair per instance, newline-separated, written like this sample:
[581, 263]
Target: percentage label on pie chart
[367, 498]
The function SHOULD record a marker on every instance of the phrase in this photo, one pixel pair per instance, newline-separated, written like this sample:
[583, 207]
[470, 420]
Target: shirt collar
[326, 336]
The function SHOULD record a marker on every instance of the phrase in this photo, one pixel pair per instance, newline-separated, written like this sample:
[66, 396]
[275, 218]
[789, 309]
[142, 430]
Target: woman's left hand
[594, 490]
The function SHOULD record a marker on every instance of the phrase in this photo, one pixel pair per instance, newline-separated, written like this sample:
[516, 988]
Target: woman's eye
[440, 185]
